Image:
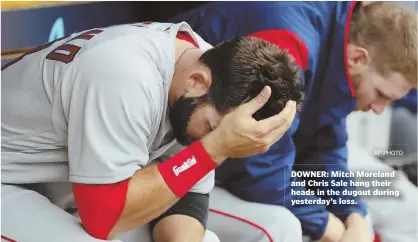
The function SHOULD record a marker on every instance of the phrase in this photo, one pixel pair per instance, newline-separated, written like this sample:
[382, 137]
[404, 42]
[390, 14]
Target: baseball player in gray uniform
[134, 118]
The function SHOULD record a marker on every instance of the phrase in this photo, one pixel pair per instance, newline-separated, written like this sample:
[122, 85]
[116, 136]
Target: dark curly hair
[241, 67]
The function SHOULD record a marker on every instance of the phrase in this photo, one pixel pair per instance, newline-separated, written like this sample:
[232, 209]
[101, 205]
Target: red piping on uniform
[185, 36]
[346, 32]
[8, 239]
[244, 221]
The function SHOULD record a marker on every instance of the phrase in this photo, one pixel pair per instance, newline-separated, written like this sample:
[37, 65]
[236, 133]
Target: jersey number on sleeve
[64, 53]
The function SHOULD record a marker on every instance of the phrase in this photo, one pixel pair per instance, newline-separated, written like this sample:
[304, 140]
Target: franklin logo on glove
[186, 165]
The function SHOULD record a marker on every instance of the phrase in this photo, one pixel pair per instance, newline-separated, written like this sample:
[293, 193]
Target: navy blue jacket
[409, 101]
[315, 34]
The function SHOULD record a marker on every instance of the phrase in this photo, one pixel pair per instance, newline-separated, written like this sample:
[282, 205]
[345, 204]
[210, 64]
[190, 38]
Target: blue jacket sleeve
[328, 153]
[409, 101]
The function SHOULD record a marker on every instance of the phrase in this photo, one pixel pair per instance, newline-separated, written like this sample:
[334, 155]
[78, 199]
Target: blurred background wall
[26, 24]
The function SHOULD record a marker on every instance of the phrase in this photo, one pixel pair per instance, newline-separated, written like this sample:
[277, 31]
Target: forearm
[357, 229]
[191, 212]
[148, 197]
[355, 219]
[334, 230]
[149, 188]
[178, 228]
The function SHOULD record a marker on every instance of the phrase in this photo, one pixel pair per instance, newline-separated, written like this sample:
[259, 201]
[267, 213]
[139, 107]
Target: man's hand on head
[240, 135]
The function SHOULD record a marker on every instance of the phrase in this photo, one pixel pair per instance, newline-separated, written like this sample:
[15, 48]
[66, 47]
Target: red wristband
[182, 171]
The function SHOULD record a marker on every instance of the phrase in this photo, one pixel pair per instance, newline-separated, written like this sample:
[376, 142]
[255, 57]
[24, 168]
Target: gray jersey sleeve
[111, 117]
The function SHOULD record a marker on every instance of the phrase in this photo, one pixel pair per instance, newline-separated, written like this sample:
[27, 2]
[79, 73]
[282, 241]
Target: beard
[180, 114]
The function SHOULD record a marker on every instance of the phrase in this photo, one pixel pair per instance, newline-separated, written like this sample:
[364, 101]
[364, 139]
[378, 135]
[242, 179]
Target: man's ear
[358, 59]
[198, 83]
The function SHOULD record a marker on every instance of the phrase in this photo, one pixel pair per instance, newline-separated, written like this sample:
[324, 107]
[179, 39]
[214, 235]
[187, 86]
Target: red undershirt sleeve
[100, 206]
